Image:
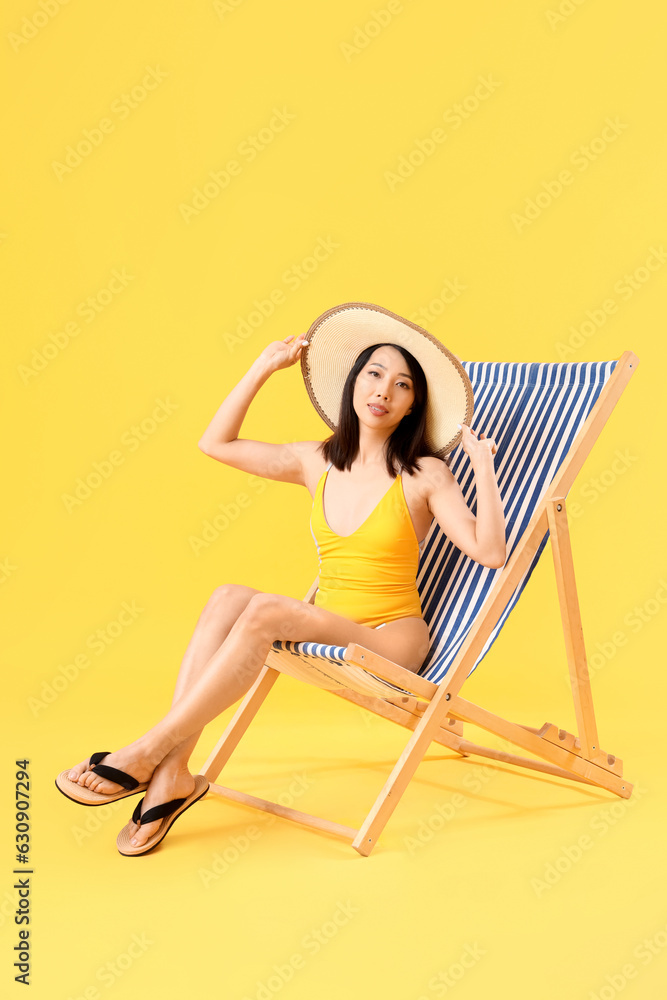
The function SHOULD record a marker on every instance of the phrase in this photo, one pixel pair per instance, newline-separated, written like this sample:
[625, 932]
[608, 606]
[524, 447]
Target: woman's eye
[371, 371]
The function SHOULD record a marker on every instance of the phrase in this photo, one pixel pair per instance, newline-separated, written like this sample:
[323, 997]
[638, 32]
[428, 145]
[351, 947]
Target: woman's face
[383, 392]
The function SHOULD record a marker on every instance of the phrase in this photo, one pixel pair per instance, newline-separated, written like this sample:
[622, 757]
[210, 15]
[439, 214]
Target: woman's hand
[475, 446]
[283, 354]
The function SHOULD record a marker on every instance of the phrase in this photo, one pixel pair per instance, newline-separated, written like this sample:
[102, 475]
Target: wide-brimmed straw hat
[337, 337]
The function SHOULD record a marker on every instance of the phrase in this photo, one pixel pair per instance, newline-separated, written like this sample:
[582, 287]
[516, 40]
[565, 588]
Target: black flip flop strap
[156, 812]
[136, 815]
[112, 773]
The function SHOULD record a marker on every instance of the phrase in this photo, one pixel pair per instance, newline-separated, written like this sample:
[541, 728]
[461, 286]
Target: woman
[370, 535]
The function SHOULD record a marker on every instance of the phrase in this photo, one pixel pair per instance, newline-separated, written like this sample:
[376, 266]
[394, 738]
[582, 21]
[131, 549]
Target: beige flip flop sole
[123, 840]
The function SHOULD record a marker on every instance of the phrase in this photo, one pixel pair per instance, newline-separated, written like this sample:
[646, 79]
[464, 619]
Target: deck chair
[545, 418]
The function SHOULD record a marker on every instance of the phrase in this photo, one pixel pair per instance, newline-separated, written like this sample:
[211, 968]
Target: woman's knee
[262, 605]
[268, 611]
[229, 597]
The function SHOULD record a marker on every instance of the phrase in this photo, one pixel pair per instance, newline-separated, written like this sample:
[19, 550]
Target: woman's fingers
[468, 433]
[294, 343]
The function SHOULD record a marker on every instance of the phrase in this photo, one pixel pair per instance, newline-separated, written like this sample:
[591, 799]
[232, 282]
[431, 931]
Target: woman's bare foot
[168, 782]
[132, 759]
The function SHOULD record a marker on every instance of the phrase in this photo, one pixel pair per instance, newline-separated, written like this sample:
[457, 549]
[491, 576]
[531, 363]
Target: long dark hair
[409, 440]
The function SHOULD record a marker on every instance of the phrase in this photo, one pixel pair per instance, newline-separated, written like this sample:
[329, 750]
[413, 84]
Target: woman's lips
[378, 410]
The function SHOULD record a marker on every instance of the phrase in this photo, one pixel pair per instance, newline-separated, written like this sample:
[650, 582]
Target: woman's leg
[216, 619]
[235, 665]
[172, 778]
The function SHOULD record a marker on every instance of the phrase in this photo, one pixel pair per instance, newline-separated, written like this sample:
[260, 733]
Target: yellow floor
[495, 879]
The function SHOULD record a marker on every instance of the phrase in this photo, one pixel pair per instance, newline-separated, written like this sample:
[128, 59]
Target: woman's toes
[132, 828]
[142, 835]
[144, 831]
[78, 770]
[139, 835]
[97, 784]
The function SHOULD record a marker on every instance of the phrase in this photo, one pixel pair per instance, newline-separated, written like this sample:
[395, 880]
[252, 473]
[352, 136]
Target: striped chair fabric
[533, 411]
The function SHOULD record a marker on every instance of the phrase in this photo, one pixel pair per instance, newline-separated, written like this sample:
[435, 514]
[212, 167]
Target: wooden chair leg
[399, 779]
[572, 627]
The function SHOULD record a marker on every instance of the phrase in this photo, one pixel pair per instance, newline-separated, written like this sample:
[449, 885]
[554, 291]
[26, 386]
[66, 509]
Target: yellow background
[360, 99]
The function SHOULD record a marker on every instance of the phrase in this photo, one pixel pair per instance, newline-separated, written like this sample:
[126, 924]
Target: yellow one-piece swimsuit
[370, 575]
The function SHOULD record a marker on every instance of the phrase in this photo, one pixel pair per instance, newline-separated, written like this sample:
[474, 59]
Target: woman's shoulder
[432, 474]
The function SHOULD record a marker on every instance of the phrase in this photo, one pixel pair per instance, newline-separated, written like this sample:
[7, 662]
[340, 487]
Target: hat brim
[335, 340]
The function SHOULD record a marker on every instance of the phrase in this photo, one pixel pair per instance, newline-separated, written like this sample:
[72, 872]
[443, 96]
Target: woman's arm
[226, 423]
[220, 439]
[481, 537]
[490, 520]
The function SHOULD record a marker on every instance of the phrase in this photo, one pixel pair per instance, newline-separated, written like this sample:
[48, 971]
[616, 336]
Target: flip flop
[168, 812]
[87, 796]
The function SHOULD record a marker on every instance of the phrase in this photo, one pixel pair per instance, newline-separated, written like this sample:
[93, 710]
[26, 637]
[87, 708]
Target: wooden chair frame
[436, 712]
